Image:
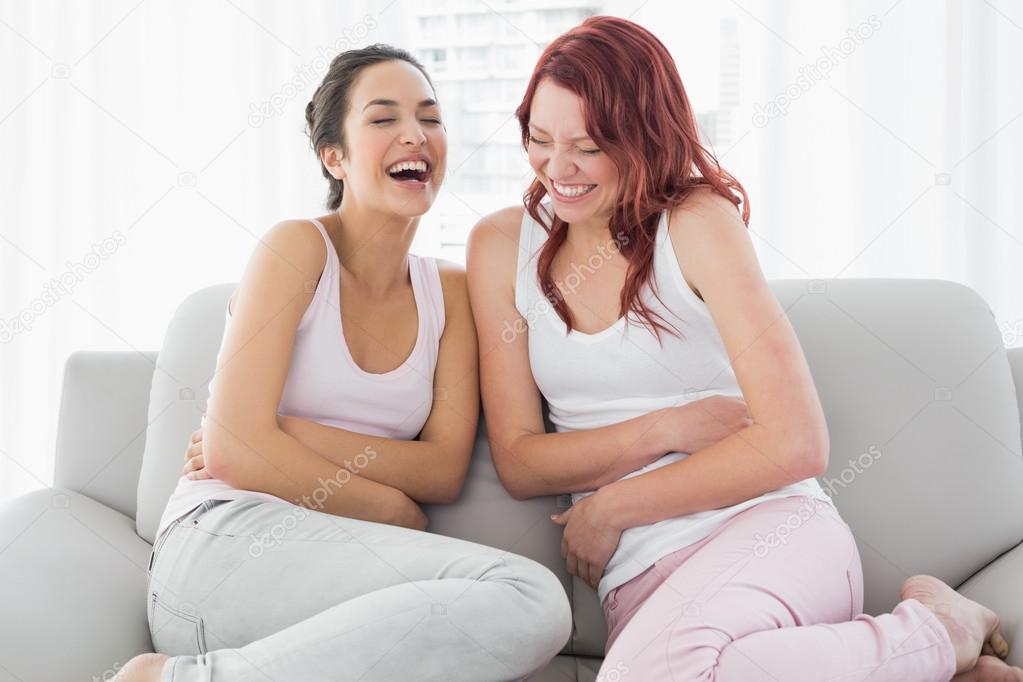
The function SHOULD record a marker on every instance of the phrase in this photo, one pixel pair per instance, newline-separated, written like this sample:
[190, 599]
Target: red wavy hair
[637, 112]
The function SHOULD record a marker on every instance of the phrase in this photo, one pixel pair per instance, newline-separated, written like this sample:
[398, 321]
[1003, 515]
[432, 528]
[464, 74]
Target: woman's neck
[590, 235]
[374, 246]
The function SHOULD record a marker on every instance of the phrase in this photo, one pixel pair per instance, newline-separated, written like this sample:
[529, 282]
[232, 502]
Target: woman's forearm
[579, 461]
[417, 468]
[278, 464]
[740, 467]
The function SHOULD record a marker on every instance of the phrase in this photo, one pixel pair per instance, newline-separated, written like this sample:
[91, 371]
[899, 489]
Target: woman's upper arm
[511, 399]
[456, 403]
[255, 353]
[716, 254]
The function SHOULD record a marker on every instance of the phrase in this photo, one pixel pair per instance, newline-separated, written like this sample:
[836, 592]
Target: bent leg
[777, 594]
[270, 590]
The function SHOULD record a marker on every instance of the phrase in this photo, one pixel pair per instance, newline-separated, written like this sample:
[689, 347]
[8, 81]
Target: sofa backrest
[178, 397]
[926, 463]
[101, 428]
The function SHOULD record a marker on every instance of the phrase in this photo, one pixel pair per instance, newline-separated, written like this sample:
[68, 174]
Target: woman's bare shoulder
[503, 224]
[293, 248]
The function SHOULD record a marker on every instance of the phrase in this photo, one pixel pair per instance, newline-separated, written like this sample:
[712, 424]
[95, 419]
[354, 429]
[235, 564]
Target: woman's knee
[685, 649]
[547, 606]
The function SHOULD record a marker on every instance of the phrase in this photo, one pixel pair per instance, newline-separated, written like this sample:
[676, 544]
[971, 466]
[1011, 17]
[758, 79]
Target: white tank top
[595, 380]
[325, 385]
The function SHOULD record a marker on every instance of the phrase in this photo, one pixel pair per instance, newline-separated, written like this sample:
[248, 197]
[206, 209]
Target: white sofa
[914, 370]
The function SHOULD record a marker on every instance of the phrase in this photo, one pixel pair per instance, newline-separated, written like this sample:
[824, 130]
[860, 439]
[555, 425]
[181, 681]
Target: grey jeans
[254, 590]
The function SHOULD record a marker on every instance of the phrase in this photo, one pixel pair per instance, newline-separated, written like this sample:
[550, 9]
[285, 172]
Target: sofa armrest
[101, 430]
[998, 586]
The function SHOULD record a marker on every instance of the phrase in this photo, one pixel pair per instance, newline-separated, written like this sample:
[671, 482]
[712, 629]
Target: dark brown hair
[326, 111]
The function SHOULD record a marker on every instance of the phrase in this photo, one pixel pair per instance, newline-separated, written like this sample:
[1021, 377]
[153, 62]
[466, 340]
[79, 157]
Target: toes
[998, 643]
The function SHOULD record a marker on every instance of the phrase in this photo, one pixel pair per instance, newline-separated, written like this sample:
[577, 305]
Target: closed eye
[383, 120]
[536, 141]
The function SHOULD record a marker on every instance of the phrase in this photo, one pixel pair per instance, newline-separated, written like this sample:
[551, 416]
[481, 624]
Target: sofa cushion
[177, 399]
[925, 463]
[72, 588]
[101, 431]
[999, 586]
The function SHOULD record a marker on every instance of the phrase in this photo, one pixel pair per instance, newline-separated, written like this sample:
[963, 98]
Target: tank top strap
[333, 263]
[671, 283]
[665, 262]
[328, 286]
[532, 237]
[427, 281]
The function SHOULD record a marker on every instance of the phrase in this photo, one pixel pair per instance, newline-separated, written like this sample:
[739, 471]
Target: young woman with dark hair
[293, 547]
[627, 294]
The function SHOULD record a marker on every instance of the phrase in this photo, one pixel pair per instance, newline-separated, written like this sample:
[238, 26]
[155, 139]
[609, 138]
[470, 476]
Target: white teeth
[408, 165]
[573, 190]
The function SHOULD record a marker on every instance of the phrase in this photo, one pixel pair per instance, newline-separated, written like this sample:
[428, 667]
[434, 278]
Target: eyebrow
[392, 103]
[544, 132]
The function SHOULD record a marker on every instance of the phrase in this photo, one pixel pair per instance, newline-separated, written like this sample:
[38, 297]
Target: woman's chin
[574, 214]
[415, 207]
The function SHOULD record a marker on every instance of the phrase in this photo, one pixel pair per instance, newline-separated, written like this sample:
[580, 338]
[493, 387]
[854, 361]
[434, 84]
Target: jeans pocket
[211, 523]
[159, 543]
[175, 631]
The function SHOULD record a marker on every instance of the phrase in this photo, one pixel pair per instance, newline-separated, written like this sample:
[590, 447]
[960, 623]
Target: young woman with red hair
[627, 294]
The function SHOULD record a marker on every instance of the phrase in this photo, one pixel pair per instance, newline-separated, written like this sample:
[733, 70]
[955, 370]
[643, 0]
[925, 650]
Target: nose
[560, 165]
[412, 134]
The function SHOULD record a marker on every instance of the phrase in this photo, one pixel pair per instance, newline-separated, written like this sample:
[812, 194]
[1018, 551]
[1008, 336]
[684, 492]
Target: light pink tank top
[325, 385]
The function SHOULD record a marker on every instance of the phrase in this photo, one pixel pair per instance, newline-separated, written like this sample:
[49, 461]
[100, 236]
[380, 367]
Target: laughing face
[580, 178]
[395, 142]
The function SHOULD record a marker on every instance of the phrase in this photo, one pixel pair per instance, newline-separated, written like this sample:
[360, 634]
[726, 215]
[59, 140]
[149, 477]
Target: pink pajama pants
[776, 593]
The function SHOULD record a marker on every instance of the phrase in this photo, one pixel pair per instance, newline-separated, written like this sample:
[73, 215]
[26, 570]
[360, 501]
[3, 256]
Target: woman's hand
[399, 508]
[590, 537]
[195, 463]
[406, 513]
[702, 423]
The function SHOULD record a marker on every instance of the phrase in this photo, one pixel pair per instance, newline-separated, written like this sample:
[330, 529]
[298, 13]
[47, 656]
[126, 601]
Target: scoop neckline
[617, 325]
[588, 337]
[418, 296]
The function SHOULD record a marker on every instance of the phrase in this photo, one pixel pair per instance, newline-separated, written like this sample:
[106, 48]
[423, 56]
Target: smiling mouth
[572, 191]
[410, 171]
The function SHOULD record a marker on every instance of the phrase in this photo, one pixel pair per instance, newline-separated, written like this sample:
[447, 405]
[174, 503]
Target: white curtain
[147, 145]
[891, 153]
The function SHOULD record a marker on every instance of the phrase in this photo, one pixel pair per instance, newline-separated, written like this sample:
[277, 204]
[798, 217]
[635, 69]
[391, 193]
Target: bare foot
[142, 668]
[990, 669]
[970, 625]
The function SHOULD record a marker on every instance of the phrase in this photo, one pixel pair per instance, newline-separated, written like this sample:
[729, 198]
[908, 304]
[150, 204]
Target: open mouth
[572, 191]
[410, 172]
